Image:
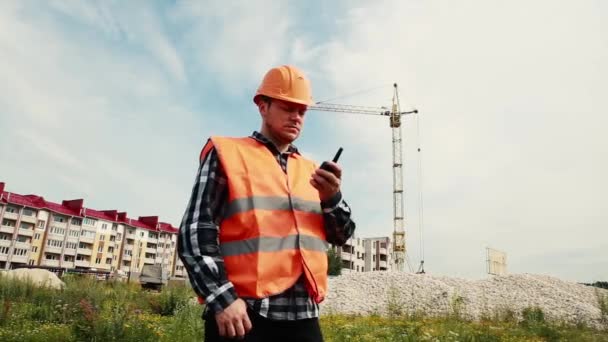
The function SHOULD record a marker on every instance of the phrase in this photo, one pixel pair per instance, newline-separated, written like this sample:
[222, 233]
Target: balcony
[3, 257]
[23, 245]
[383, 251]
[67, 264]
[5, 243]
[149, 261]
[383, 264]
[69, 251]
[348, 256]
[126, 257]
[12, 216]
[50, 249]
[59, 224]
[82, 263]
[152, 240]
[7, 229]
[131, 236]
[29, 219]
[87, 239]
[51, 263]
[84, 251]
[151, 250]
[19, 259]
[26, 232]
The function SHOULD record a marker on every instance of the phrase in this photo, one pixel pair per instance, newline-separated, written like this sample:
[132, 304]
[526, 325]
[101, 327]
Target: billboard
[496, 261]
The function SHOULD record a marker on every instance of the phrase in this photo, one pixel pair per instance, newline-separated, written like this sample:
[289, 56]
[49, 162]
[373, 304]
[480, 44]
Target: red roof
[76, 208]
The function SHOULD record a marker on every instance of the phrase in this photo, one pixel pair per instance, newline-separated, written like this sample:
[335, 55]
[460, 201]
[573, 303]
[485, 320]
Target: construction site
[166, 170]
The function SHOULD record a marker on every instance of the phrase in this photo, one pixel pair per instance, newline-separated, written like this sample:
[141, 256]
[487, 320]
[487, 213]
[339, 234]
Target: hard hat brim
[284, 98]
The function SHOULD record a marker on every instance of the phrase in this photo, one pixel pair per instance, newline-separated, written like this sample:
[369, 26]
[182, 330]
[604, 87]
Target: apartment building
[38, 232]
[365, 254]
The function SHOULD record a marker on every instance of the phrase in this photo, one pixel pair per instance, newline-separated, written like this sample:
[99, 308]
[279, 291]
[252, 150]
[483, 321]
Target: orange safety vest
[273, 228]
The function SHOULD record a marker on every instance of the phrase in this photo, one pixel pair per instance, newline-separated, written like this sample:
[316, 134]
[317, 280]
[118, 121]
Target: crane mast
[399, 250]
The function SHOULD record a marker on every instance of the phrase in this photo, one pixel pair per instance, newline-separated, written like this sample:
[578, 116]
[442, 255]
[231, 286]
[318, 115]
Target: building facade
[366, 254]
[37, 232]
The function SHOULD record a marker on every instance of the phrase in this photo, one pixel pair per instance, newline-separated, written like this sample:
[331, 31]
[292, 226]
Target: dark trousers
[263, 329]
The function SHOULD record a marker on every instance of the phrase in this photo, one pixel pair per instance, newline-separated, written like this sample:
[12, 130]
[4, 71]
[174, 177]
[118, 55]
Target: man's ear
[263, 108]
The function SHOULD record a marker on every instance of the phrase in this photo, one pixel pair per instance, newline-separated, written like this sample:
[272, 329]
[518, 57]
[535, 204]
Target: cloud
[506, 162]
[511, 112]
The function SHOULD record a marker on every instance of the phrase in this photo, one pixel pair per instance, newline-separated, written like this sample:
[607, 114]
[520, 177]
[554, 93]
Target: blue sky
[111, 101]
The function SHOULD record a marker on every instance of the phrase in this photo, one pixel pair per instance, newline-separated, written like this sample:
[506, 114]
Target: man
[255, 233]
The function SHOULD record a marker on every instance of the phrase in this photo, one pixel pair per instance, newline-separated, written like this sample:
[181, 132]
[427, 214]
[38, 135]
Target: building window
[102, 237]
[3, 250]
[70, 245]
[34, 249]
[20, 252]
[57, 230]
[114, 227]
[49, 256]
[37, 236]
[104, 226]
[59, 219]
[11, 209]
[76, 222]
[100, 249]
[25, 225]
[108, 261]
[31, 262]
[110, 250]
[98, 260]
[41, 224]
[21, 238]
[28, 212]
[4, 236]
[8, 223]
[54, 243]
[89, 221]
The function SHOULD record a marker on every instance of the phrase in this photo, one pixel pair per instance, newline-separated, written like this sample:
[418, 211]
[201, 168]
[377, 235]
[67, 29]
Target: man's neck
[282, 147]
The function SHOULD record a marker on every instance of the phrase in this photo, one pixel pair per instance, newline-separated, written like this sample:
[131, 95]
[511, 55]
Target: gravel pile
[497, 296]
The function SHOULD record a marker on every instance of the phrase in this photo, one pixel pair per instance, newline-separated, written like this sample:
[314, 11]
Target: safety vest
[272, 230]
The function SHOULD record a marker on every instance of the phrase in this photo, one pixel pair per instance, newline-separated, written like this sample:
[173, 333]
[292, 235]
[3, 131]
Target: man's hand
[326, 182]
[233, 321]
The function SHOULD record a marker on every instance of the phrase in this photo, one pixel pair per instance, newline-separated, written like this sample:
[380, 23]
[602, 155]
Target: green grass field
[90, 310]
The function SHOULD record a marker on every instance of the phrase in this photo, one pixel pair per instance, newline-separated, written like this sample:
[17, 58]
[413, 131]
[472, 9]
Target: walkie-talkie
[325, 165]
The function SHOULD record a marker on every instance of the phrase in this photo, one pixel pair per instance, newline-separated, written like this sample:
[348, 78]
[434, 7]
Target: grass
[90, 310]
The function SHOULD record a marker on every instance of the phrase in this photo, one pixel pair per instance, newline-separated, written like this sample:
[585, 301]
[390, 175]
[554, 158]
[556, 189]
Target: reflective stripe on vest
[273, 244]
[270, 203]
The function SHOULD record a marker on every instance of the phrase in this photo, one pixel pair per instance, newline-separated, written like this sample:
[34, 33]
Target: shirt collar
[261, 138]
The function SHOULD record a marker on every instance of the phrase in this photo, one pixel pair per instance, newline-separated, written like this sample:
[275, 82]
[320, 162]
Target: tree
[334, 262]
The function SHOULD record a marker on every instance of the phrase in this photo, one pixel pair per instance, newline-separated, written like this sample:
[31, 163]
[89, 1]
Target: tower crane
[394, 115]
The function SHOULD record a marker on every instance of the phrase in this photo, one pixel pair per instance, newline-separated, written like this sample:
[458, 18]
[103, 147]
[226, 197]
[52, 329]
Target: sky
[112, 101]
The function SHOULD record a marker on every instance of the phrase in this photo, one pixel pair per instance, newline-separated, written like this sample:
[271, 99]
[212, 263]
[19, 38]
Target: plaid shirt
[199, 250]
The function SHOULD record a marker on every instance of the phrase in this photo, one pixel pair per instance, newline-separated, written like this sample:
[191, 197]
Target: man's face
[284, 120]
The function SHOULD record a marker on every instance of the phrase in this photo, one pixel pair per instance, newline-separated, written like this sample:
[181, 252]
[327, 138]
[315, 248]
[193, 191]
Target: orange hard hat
[286, 83]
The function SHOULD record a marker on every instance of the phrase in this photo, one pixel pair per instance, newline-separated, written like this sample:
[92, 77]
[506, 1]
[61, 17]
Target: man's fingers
[328, 174]
[230, 332]
[239, 329]
[247, 323]
[221, 327]
[322, 182]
